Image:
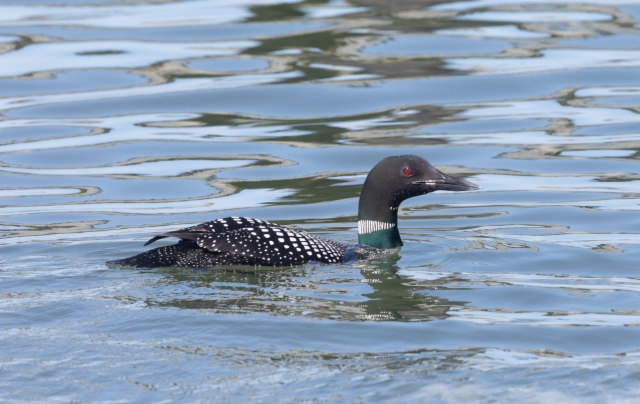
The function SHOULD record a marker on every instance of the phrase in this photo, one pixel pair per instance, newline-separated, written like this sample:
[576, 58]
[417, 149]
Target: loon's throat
[378, 234]
[371, 226]
[378, 213]
[381, 230]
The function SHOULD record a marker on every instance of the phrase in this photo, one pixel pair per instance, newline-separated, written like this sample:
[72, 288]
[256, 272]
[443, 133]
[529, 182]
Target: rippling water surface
[124, 118]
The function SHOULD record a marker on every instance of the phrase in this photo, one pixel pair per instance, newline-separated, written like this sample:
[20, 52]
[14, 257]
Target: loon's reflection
[374, 293]
[395, 297]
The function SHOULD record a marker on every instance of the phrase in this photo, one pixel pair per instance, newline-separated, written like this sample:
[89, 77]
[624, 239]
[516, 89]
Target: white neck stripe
[369, 226]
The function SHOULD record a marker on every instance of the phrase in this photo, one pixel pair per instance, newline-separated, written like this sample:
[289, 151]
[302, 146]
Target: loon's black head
[390, 182]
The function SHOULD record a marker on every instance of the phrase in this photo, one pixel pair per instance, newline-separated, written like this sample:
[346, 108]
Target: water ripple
[124, 119]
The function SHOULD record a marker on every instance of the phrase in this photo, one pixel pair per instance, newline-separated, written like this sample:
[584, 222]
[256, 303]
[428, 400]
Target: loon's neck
[378, 221]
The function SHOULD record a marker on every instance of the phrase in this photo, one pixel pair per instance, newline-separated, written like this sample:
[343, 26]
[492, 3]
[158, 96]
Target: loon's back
[239, 241]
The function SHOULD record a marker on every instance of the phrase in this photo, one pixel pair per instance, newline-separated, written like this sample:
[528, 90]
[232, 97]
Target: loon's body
[247, 241]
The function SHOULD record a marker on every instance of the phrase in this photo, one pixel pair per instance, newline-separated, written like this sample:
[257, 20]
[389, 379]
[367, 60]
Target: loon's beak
[448, 183]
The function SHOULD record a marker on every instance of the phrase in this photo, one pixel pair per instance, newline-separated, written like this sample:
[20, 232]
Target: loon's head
[390, 182]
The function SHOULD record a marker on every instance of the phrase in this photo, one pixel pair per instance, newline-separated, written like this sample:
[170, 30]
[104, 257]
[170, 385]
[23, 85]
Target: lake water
[122, 119]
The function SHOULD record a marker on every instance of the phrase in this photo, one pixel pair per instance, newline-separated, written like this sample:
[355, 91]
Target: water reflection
[128, 16]
[536, 16]
[108, 54]
[321, 292]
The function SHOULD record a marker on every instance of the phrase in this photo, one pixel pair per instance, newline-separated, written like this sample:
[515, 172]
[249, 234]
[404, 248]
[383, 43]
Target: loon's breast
[239, 241]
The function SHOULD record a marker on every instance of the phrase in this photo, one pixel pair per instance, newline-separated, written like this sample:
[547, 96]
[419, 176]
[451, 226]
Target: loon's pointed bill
[448, 182]
[247, 241]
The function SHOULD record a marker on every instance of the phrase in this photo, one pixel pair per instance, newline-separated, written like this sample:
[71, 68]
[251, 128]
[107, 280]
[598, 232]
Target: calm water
[121, 119]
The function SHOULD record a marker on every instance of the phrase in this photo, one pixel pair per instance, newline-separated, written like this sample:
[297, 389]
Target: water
[121, 119]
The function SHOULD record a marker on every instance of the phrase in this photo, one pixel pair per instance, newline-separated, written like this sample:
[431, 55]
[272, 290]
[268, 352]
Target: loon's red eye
[407, 172]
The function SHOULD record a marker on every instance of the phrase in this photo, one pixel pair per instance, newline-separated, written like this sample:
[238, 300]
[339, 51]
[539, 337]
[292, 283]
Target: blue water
[120, 120]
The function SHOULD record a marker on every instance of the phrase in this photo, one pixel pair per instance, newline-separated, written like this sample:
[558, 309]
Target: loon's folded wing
[270, 244]
[213, 227]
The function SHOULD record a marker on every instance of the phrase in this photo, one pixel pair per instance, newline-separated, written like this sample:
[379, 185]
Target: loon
[246, 241]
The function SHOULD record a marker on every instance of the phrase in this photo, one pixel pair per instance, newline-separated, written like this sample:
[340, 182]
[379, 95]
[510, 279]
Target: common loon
[246, 241]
